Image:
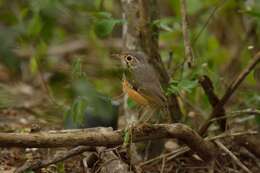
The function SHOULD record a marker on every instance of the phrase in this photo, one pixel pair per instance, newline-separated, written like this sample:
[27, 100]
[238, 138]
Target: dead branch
[87, 137]
[112, 163]
[183, 150]
[44, 163]
[229, 91]
[185, 31]
[238, 162]
[250, 142]
[208, 88]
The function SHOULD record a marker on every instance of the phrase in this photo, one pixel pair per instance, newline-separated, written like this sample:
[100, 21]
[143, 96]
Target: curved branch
[229, 92]
[104, 137]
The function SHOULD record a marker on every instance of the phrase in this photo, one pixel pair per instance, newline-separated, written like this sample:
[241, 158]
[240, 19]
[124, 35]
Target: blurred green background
[46, 45]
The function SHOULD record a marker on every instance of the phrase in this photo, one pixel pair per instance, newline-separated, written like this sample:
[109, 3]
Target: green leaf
[183, 85]
[126, 137]
[35, 25]
[33, 65]
[103, 14]
[77, 72]
[78, 109]
[104, 27]
[253, 13]
[29, 171]
[165, 24]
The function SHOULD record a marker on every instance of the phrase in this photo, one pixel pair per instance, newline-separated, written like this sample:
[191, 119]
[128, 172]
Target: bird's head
[132, 59]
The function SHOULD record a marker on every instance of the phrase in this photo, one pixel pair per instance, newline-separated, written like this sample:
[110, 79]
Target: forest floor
[16, 120]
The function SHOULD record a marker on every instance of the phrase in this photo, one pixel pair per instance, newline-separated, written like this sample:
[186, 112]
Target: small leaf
[165, 24]
[78, 109]
[177, 86]
[33, 65]
[35, 25]
[126, 137]
[104, 27]
[253, 13]
[77, 72]
[103, 14]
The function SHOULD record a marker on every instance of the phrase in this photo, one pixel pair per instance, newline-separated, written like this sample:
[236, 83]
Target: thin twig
[185, 31]
[238, 162]
[173, 153]
[163, 165]
[229, 92]
[225, 135]
[44, 163]
[207, 22]
[238, 113]
[249, 111]
[183, 150]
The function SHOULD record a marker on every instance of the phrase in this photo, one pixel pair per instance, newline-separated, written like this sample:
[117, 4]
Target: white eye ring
[129, 58]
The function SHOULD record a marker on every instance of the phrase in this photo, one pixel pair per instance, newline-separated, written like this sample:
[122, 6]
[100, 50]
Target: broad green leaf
[185, 85]
[104, 27]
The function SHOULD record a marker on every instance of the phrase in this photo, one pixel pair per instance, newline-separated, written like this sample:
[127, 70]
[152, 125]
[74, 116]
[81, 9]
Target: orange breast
[133, 94]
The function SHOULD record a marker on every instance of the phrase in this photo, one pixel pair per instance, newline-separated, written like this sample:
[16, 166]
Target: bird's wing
[153, 93]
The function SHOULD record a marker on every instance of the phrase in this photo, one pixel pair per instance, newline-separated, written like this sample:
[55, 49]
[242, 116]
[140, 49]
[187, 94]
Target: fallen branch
[230, 90]
[34, 165]
[238, 162]
[183, 150]
[251, 143]
[204, 149]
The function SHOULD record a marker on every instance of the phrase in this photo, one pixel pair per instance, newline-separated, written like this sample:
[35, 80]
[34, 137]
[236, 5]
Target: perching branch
[230, 90]
[103, 137]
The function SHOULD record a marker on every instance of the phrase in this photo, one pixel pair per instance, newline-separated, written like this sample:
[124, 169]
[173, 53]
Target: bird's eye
[129, 58]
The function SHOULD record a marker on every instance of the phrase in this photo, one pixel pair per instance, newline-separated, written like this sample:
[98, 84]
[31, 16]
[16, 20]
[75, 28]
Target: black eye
[129, 58]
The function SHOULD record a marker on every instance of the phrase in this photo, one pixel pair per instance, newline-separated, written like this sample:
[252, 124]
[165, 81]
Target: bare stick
[230, 90]
[208, 88]
[185, 31]
[40, 164]
[235, 114]
[182, 132]
[251, 143]
[183, 150]
[238, 162]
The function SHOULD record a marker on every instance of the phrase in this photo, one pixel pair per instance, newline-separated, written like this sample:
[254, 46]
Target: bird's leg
[147, 115]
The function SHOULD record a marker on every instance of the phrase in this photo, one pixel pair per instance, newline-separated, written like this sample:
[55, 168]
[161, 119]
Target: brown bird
[142, 83]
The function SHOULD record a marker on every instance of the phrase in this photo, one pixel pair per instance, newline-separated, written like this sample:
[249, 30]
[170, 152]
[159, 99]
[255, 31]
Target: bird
[141, 82]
